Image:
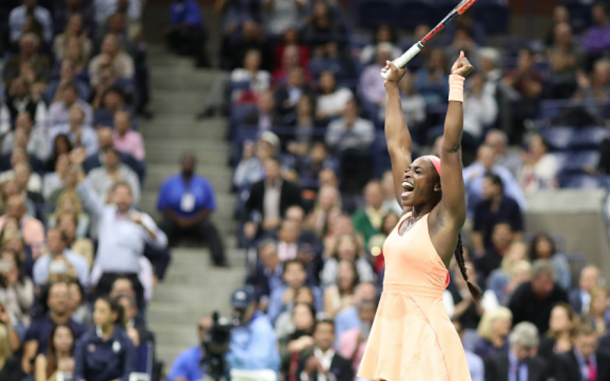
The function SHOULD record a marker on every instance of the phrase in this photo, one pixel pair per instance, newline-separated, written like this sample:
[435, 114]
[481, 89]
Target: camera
[216, 343]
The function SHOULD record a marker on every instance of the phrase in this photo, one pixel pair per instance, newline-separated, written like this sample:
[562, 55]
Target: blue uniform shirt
[40, 331]
[186, 12]
[188, 365]
[254, 346]
[99, 360]
[186, 199]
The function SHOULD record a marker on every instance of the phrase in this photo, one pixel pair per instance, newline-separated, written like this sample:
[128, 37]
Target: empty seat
[578, 181]
[588, 138]
[576, 161]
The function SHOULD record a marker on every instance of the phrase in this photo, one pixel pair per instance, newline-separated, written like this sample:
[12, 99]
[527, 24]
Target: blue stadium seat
[381, 158]
[558, 138]
[578, 181]
[575, 161]
[588, 138]
[144, 355]
[372, 13]
[577, 262]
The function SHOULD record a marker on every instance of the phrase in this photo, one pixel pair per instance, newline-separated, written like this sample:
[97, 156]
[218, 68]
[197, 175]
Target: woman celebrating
[412, 338]
[60, 355]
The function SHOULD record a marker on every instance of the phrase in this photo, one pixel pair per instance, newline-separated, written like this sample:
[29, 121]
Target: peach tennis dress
[412, 338]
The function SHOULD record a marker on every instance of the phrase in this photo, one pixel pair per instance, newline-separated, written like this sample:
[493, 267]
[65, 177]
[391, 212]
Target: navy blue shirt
[40, 331]
[485, 219]
[186, 199]
[99, 360]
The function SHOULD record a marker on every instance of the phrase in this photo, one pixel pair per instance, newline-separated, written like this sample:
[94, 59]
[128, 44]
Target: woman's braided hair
[475, 291]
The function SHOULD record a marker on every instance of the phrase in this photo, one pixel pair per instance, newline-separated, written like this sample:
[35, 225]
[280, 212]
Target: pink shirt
[33, 233]
[347, 346]
[130, 143]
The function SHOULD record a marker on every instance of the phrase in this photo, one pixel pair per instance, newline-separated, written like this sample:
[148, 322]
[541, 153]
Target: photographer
[187, 366]
[253, 350]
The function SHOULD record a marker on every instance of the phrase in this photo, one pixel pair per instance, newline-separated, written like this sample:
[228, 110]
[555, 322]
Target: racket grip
[401, 61]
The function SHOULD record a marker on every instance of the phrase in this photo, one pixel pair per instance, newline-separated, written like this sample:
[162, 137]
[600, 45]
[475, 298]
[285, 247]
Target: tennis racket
[401, 61]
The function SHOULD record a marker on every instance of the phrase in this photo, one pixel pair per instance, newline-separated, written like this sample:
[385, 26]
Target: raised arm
[397, 134]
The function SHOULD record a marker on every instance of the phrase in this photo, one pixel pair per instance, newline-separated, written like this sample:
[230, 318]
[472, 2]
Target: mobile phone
[6, 265]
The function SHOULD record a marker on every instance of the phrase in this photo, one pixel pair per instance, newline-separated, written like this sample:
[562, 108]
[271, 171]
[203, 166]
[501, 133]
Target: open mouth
[407, 188]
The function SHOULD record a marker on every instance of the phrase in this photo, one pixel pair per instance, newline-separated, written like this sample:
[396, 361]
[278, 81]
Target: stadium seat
[578, 181]
[588, 138]
[576, 161]
[558, 138]
[372, 13]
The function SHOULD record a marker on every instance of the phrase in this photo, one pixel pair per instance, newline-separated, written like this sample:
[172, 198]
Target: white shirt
[19, 15]
[540, 175]
[88, 137]
[287, 251]
[334, 103]
[59, 112]
[284, 14]
[479, 113]
[271, 201]
[360, 135]
[38, 144]
[34, 182]
[258, 82]
[326, 359]
[105, 8]
[145, 275]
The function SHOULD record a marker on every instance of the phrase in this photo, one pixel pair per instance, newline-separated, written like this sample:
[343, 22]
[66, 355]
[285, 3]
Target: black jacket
[290, 194]
[567, 368]
[340, 367]
[526, 307]
[497, 369]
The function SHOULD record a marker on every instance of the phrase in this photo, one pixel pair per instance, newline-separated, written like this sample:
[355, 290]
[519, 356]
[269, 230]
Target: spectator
[71, 224]
[187, 366]
[249, 37]
[288, 240]
[540, 168]
[322, 29]
[580, 298]
[105, 8]
[264, 117]
[37, 63]
[33, 139]
[300, 341]
[371, 83]
[514, 270]
[475, 173]
[81, 309]
[257, 80]
[253, 344]
[18, 16]
[27, 184]
[187, 201]
[475, 363]
[136, 331]
[533, 301]
[584, 361]
[21, 98]
[269, 199]
[353, 341]
[125, 139]
[493, 333]
[30, 228]
[593, 91]
[566, 58]
[509, 160]
[66, 98]
[106, 142]
[69, 202]
[78, 131]
[519, 363]
[413, 103]
[388, 224]
[288, 96]
[251, 166]
[340, 295]
[97, 356]
[294, 277]
[480, 111]
[489, 59]
[75, 30]
[463, 40]
[560, 15]
[9, 363]
[596, 40]
[111, 54]
[543, 247]
[349, 318]
[267, 275]
[431, 79]
[280, 16]
[367, 221]
[186, 33]
[328, 202]
[37, 337]
[347, 247]
[59, 358]
[350, 133]
[16, 288]
[325, 362]
[104, 178]
[560, 337]
[60, 261]
[384, 34]
[599, 314]
[61, 145]
[495, 208]
[332, 100]
[297, 57]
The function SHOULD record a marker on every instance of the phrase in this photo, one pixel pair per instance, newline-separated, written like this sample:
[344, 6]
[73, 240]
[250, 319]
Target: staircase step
[179, 125]
[208, 151]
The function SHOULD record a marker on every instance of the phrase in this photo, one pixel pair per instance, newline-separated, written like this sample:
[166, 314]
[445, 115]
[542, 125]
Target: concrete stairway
[192, 287]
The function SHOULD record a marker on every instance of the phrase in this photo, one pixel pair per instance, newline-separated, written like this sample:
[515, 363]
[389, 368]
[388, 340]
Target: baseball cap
[242, 298]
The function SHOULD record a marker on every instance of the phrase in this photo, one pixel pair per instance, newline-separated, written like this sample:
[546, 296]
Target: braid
[475, 291]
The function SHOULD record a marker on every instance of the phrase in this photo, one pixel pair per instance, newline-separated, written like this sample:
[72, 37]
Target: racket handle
[401, 61]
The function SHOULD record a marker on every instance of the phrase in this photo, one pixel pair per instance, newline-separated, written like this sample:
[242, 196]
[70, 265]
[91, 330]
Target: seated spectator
[251, 166]
[347, 248]
[475, 363]
[351, 132]
[340, 295]
[371, 83]
[25, 135]
[431, 79]
[20, 98]
[480, 111]
[299, 342]
[69, 223]
[103, 179]
[258, 80]
[106, 142]
[463, 309]
[560, 337]
[291, 59]
[584, 361]
[187, 201]
[29, 54]
[107, 81]
[58, 361]
[294, 276]
[284, 325]
[264, 117]
[592, 89]
[81, 309]
[519, 363]
[16, 288]
[68, 201]
[540, 168]
[37, 337]
[96, 356]
[75, 30]
[30, 228]
[269, 199]
[125, 139]
[137, 332]
[289, 95]
[78, 131]
[495, 208]
[463, 41]
[186, 33]
[509, 160]
[533, 301]
[61, 145]
[310, 162]
[489, 59]
[328, 202]
[367, 221]
[580, 298]
[413, 103]
[59, 260]
[566, 58]
[279, 17]
[187, 365]
[111, 54]
[67, 96]
[324, 360]
[249, 37]
[384, 34]
[321, 27]
[560, 15]
[353, 341]
[543, 247]
[596, 40]
[10, 370]
[375, 246]
[474, 176]
[288, 240]
[18, 16]
[493, 333]
[349, 318]
[599, 314]
[28, 183]
[267, 274]
[333, 100]
[514, 270]
[292, 38]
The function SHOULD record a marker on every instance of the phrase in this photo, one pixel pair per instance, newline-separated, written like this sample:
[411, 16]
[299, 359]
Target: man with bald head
[187, 366]
[475, 173]
[31, 229]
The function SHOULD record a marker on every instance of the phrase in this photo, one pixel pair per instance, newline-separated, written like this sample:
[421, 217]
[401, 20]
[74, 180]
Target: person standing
[187, 201]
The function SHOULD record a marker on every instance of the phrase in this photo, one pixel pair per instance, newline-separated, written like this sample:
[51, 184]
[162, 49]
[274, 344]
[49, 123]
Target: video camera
[216, 344]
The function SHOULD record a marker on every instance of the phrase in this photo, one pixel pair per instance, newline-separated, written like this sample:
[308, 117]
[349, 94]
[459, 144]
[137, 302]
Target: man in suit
[518, 364]
[269, 199]
[579, 297]
[264, 117]
[584, 362]
[267, 275]
[324, 364]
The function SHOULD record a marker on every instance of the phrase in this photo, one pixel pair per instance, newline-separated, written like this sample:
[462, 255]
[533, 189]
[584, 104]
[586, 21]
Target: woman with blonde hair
[340, 295]
[69, 202]
[74, 30]
[501, 277]
[328, 202]
[493, 331]
[10, 366]
[599, 314]
[560, 336]
[347, 247]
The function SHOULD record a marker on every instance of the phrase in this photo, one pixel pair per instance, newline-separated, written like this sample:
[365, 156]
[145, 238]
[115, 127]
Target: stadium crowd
[305, 102]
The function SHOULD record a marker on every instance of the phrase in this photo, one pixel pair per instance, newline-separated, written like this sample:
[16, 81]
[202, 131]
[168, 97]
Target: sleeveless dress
[412, 337]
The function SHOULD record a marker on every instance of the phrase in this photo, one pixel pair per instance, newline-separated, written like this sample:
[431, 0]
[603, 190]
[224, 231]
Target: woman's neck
[107, 331]
[63, 355]
[497, 340]
[421, 210]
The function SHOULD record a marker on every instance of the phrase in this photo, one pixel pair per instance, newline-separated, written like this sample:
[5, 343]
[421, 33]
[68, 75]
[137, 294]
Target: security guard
[105, 353]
